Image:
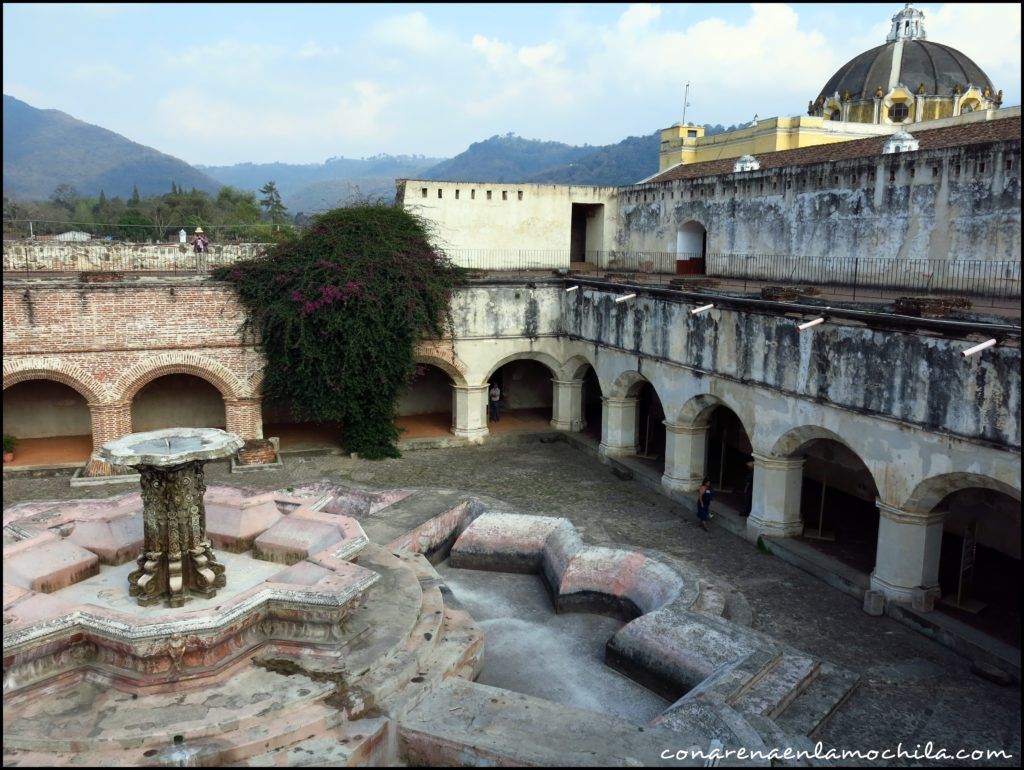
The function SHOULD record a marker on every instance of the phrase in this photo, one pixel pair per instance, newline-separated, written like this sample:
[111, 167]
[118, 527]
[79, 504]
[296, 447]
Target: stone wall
[496, 225]
[116, 256]
[957, 203]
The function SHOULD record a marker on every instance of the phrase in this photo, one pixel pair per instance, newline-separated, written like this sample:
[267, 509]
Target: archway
[177, 401]
[691, 248]
[650, 427]
[838, 502]
[425, 408]
[729, 462]
[979, 564]
[591, 398]
[50, 421]
[526, 396]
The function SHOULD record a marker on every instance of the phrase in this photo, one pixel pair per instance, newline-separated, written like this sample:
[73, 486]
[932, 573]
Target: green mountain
[313, 187]
[511, 158]
[47, 148]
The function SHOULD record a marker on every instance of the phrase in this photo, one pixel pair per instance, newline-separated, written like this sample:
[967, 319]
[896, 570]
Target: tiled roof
[982, 132]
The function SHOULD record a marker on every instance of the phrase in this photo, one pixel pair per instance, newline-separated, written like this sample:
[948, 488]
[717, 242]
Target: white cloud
[495, 51]
[312, 50]
[637, 17]
[100, 75]
[360, 115]
[540, 55]
[987, 33]
[413, 32]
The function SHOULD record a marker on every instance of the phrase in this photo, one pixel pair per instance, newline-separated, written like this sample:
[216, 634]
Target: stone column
[177, 559]
[567, 405]
[618, 428]
[469, 411]
[244, 417]
[109, 422]
[776, 505]
[685, 451]
[907, 556]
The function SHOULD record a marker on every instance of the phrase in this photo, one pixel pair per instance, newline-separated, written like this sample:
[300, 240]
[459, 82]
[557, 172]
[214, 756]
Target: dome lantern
[908, 24]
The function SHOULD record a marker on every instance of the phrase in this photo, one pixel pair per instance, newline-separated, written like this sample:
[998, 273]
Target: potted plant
[9, 442]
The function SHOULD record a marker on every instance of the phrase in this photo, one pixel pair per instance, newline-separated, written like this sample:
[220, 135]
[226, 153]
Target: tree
[337, 314]
[65, 196]
[135, 200]
[274, 210]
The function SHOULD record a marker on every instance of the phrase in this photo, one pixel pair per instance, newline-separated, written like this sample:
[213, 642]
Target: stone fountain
[177, 560]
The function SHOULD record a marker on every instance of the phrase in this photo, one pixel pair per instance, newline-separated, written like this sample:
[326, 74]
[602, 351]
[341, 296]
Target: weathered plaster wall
[44, 408]
[475, 229]
[947, 204]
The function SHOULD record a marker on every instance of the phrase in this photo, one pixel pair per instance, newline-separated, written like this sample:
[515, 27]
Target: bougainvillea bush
[338, 313]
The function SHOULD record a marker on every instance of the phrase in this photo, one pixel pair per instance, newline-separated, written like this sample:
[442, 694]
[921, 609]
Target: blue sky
[299, 83]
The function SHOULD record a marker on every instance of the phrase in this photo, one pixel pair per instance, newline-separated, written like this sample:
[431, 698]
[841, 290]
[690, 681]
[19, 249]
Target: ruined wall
[914, 378]
[500, 225]
[959, 203]
[113, 256]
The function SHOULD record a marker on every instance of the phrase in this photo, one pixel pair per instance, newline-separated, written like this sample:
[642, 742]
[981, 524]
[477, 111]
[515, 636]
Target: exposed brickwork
[257, 452]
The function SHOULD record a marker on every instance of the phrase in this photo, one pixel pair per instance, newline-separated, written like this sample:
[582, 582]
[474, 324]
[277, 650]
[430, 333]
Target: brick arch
[444, 358]
[58, 370]
[147, 370]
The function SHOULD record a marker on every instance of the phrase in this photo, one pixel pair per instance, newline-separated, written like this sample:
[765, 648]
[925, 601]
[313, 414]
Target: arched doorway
[425, 408]
[50, 421]
[691, 248]
[526, 396]
[979, 565]
[729, 464]
[837, 503]
[177, 401]
[650, 427]
[591, 398]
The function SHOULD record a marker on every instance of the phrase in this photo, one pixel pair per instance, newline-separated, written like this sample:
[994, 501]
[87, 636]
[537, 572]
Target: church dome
[940, 68]
[906, 80]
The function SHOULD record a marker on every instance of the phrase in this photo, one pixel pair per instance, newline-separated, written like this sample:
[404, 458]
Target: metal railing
[852, 277]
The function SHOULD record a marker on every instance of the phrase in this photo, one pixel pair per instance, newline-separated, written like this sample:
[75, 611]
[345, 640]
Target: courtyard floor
[913, 691]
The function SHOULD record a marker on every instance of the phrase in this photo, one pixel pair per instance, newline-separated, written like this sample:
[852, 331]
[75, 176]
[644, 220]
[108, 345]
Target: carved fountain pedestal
[177, 560]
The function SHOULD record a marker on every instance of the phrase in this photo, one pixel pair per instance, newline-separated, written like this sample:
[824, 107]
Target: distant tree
[271, 202]
[65, 196]
[135, 200]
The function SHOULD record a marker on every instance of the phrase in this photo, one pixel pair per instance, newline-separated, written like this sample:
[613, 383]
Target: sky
[299, 83]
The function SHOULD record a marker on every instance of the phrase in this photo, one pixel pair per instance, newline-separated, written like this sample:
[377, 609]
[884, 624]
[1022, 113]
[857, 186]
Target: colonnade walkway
[912, 689]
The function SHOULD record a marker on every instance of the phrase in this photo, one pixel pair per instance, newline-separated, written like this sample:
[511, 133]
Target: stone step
[729, 681]
[774, 690]
[809, 712]
[466, 724]
[95, 716]
[362, 743]
[423, 522]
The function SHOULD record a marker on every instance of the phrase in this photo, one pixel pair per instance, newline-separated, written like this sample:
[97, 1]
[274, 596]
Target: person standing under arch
[704, 495]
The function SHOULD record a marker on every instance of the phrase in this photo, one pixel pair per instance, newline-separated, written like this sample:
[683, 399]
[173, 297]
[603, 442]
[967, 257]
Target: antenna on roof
[686, 101]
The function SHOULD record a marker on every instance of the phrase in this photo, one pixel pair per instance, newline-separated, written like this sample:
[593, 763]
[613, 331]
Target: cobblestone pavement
[913, 691]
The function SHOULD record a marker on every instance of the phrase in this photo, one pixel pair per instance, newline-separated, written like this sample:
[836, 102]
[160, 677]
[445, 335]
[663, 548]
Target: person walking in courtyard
[494, 398]
[704, 495]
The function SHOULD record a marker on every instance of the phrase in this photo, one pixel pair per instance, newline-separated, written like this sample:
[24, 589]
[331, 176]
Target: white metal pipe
[977, 348]
[701, 309]
[624, 298]
[572, 288]
[809, 324]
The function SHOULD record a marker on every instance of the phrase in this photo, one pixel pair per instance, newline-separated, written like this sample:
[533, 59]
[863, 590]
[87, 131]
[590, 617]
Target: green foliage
[337, 314]
[271, 203]
[9, 442]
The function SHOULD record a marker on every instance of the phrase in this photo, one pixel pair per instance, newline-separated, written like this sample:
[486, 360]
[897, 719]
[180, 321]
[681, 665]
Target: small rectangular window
[935, 170]
[981, 168]
[913, 172]
[520, 195]
[691, 133]
[871, 176]
[456, 195]
[956, 170]
[488, 195]
[472, 195]
[424, 190]
[438, 192]
[504, 195]
[1009, 164]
